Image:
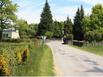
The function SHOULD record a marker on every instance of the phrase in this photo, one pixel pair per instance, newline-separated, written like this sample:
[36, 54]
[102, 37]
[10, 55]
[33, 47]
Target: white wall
[15, 35]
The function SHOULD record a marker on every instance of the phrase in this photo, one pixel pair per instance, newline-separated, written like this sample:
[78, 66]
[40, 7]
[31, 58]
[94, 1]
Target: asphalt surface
[70, 61]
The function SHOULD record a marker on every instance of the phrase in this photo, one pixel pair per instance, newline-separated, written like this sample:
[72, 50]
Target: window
[3, 35]
[6, 35]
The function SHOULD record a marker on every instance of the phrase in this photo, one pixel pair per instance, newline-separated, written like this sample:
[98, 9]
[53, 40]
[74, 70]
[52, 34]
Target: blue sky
[30, 10]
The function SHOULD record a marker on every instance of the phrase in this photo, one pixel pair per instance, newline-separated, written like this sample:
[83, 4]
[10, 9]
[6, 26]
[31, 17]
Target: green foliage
[93, 48]
[8, 50]
[58, 28]
[98, 36]
[78, 27]
[97, 16]
[69, 36]
[33, 28]
[68, 26]
[26, 30]
[89, 36]
[23, 28]
[93, 24]
[12, 40]
[38, 60]
[49, 34]
[93, 36]
[46, 21]
[86, 22]
[7, 13]
[0, 33]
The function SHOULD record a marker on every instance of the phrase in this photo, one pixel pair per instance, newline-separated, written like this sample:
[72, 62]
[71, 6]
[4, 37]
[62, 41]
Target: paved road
[69, 61]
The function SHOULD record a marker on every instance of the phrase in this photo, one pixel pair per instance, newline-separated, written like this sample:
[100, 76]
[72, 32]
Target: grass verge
[39, 63]
[96, 49]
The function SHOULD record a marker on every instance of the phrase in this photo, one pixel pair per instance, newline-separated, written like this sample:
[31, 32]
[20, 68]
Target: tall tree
[68, 26]
[58, 28]
[23, 28]
[78, 27]
[33, 28]
[7, 13]
[82, 13]
[46, 21]
[93, 24]
[97, 16]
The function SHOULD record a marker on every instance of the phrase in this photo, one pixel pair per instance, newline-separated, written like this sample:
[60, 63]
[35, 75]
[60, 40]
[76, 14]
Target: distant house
[10, 33]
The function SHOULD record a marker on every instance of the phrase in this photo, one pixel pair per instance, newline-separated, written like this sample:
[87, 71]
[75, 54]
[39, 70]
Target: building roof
[9, 30]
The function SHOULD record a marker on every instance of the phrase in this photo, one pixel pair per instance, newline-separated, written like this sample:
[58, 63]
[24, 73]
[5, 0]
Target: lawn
[38, 63]
[96, 49]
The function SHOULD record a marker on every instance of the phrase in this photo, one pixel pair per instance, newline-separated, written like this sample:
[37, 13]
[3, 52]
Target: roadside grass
[96, 49]
[46, 63]
[39, 63]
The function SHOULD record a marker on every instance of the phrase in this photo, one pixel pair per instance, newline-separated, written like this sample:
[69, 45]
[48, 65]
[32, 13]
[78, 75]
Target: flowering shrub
[13, 56]
[22, 55]
[4, 66]
[18, 57]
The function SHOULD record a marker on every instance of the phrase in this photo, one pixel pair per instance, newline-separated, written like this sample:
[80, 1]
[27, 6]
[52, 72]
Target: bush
[93, 36]
[16, 40]
[49, 34]
[4, 66]
[18, 57]
[67, 38]
[22, 55]
[12, 40]
[0, 34]
[98, 36]
[89, 36]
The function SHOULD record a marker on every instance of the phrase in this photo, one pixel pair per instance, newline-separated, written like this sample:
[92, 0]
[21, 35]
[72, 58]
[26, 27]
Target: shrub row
[11, 56]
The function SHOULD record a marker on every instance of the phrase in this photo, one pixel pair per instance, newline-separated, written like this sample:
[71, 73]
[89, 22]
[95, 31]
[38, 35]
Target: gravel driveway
[69, 61]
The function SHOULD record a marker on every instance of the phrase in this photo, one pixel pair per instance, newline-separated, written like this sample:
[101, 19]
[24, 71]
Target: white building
[10, 33]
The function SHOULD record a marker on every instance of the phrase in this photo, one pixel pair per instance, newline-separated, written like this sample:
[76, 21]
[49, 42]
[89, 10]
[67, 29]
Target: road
[70, 61]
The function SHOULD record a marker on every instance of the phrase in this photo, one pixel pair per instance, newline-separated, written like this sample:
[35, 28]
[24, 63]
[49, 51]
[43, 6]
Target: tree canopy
[93, 24]
[68, 26]
[7, 13]
[78, 27]
[46, 21]
[58, 29]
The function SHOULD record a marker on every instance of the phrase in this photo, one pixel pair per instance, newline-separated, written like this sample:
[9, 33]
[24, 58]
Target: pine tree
[46, 21]
[82, 12]
[68, 26]
[78, 27]
[58, 27]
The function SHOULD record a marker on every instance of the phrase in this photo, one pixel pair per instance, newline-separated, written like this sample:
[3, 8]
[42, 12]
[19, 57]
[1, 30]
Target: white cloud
[91, 2]
[32, 13]
[30, 17]
[61, 13]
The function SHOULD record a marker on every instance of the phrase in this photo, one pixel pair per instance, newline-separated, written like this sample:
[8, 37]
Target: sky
[30, 10]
